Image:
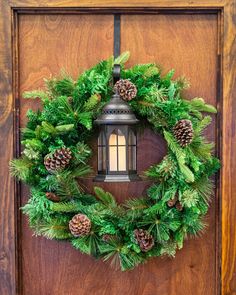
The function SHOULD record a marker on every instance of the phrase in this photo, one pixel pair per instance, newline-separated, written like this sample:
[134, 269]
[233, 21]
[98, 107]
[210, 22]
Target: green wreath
[55, 154]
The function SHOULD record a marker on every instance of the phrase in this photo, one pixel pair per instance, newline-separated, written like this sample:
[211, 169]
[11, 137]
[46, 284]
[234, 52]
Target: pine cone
[144, 239]
[171, 203]
[183, 132]
[80, 225]
[99, 97]
[52, 197]
[59, 160]
[126, 89]
[70, 100]
[179, 206]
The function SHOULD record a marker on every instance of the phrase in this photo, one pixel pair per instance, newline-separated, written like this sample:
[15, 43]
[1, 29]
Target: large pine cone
[144, 239]
[126, 89]
[80, 225]
[59, 160]
[183, 132]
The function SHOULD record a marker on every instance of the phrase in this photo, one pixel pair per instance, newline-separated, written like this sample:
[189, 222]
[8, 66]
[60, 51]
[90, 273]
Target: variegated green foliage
[69, 108]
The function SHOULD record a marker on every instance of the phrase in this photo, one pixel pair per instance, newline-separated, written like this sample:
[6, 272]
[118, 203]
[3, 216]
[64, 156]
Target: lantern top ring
[116, 111]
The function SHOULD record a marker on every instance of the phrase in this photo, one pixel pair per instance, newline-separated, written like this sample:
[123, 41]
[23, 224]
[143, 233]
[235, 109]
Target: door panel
[48, 43]
[185, 42]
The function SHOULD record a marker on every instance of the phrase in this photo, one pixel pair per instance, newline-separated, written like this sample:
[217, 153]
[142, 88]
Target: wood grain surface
[8, 260]
[49, 267]
[228, 138]
[49, 42]
[120, 3]
[187, 43]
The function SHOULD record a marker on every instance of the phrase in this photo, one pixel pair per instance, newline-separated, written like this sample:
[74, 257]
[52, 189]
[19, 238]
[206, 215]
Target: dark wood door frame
[9, 115]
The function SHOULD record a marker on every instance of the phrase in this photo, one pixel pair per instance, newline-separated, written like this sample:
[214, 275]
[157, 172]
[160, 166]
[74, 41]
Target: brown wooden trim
[219, 100]
[117, 4]
[228, 171]
[130, 11]
[8, 203]
[16, 145]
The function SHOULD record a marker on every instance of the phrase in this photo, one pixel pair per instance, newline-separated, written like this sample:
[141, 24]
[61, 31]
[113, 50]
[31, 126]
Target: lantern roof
[116, 111]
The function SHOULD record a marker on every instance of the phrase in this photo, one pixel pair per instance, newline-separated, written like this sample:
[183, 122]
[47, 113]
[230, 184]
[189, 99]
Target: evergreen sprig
[174, 205]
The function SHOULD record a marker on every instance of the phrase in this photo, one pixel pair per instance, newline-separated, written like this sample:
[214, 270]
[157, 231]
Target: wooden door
[189, 40]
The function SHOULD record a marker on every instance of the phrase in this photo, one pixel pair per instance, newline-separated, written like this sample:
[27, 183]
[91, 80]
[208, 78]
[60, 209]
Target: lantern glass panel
[113, 158]
[132, 137]
[117, 151]
[122, 158]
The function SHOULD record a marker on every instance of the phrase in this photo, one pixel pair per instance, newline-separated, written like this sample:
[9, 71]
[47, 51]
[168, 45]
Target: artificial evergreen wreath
[55, 154]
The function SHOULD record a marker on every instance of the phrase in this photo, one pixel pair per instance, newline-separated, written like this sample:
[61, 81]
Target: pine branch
[21, 168]
[202, 125]
[182, 83]
[65, 86]
[168, 249]
[53, 230]
[189, 198]
[180, 157]
[105, 197]
[164, 170]
[200, 105]
[92, 102]
[120, 256]
[89, 244]
[123, 58]
[67, 207]
[37, 208]
[155, 191]
[36, 94]
[204, 187]
[135, 208]
[153, 70]
[67, 185]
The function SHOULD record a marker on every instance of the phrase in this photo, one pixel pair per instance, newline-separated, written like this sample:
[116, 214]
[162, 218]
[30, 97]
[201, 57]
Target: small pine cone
[126, 89]
[59, 160]
[144, 239]
[80, 225]
[52, 197]
[70, 100]
[183, 132]
[99, 97]
[179, 206]
[171, 203]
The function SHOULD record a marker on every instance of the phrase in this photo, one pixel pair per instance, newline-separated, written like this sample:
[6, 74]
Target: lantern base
[116, 178]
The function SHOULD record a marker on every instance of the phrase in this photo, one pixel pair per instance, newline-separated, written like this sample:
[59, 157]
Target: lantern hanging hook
[116, 73]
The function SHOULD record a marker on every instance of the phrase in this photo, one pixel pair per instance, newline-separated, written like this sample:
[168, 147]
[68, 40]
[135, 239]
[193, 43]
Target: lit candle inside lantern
[117, 151]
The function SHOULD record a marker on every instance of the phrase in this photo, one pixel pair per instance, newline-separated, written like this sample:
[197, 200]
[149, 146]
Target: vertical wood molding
[7, 197]
[228, 171]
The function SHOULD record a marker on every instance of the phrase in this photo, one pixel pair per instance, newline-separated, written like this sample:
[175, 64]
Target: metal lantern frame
[117, 120]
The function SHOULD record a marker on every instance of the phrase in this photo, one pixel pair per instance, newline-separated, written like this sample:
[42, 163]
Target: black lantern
[117, 143]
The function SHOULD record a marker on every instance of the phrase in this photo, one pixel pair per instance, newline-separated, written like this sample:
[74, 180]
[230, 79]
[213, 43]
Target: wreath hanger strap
[116, 73]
